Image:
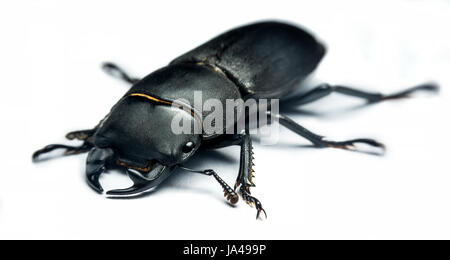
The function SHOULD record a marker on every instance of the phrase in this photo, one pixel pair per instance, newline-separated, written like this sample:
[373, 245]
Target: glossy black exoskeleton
[262, 60]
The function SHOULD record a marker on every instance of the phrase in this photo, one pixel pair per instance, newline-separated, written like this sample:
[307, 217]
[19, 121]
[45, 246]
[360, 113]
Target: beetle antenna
[229, 193]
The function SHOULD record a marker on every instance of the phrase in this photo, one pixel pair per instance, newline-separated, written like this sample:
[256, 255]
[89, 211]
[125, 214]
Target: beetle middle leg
[319, 140]
[325, 89]
[117, 72]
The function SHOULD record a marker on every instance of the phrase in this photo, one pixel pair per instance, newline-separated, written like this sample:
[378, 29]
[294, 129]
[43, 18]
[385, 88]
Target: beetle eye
[188, 147]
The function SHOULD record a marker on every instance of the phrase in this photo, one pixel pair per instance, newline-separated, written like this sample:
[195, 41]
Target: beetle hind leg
[429, 87]
[319, 140]
[325, 89]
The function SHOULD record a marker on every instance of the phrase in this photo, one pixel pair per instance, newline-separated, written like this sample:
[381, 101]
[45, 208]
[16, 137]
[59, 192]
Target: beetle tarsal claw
[259, 213]
[252, 201]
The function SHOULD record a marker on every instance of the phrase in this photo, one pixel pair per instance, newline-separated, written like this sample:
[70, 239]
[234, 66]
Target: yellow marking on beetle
[168, 103]
[151, 98]
[214, 67]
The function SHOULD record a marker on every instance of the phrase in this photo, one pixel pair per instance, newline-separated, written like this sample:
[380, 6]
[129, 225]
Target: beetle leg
[245, 193]
[117, 72]
[228, 192]
[246, 163]
[318, 140]
[432, 87]
[246, 173]
[325, 89]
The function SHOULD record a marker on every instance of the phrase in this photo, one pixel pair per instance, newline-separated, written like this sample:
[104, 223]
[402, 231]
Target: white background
[51, 83]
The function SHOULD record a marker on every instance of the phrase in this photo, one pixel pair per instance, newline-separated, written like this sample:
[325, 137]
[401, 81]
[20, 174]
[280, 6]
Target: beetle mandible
[260, 60]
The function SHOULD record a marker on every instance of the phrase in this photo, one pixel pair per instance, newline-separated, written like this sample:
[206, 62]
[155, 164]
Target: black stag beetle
[258, 61]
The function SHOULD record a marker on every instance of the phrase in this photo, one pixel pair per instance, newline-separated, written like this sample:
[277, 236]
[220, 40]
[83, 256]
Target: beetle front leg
[117, 72]
[245, 177]
[245, 193]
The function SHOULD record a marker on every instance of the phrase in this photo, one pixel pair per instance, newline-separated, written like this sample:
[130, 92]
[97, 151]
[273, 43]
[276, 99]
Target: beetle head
[140, 134]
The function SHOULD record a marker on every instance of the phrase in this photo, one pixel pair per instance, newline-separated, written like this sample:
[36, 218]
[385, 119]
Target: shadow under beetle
[261, 60]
